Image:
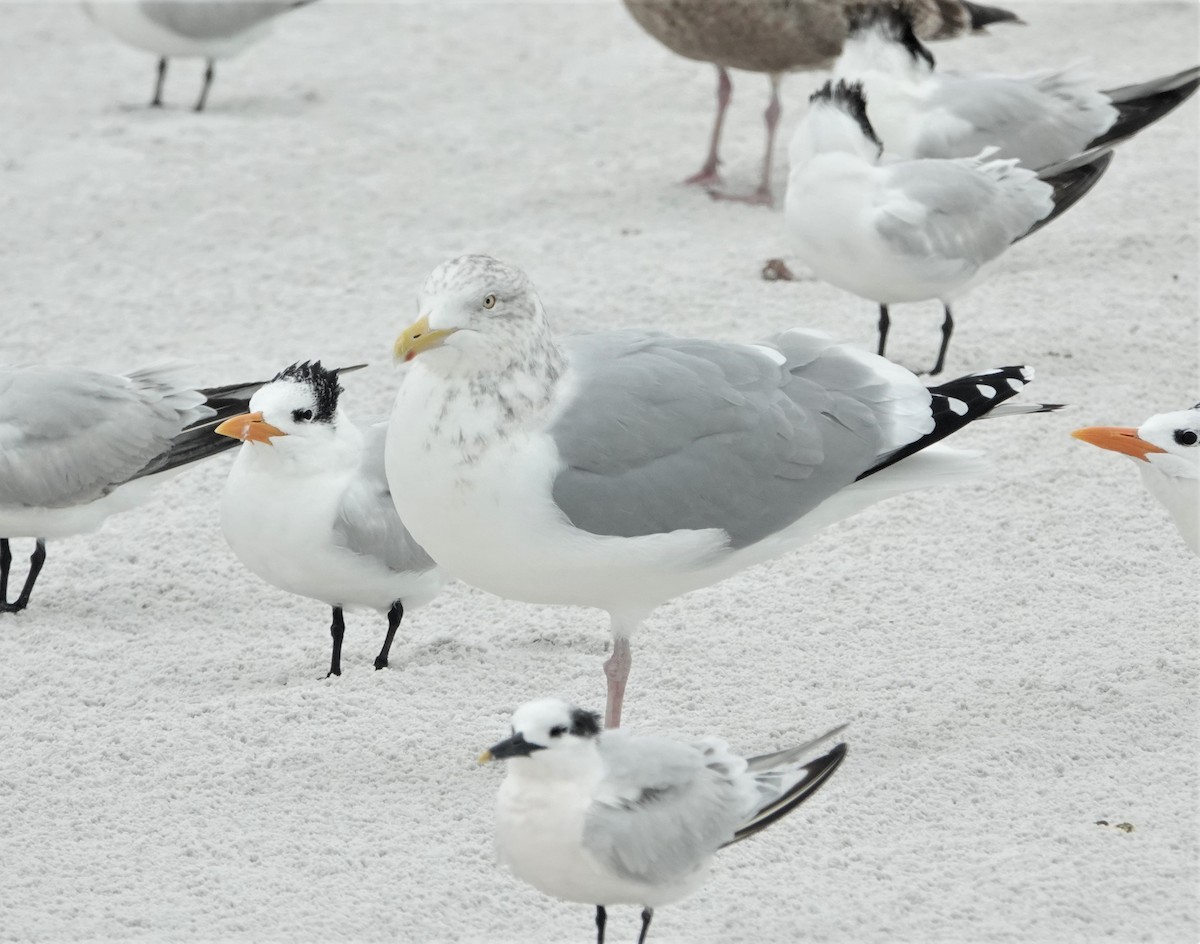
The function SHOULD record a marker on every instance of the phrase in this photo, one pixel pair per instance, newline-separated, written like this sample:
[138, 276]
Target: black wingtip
[983, 16]
[1139, 106]
[1071, 180]
[818, 772]
[959, 402]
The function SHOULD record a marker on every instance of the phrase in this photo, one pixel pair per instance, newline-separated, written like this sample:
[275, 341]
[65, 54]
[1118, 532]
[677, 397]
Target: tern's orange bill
[1123, 439]
[249, 427]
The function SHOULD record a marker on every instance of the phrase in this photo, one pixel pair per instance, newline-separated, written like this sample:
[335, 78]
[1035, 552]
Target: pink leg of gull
[616, 670]
[708, 174]
[761, 196]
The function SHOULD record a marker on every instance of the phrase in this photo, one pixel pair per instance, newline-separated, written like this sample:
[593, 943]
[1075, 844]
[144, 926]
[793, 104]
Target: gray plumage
[733, 440]
[204, 20]
[70, 436]
[965, 211]
[367, 522]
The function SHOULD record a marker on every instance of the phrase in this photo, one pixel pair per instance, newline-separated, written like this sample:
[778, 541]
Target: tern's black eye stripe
[301, 416]
[558, 731]
[1186, 437]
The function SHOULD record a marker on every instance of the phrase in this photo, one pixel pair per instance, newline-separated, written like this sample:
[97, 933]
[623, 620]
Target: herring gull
[621, 469]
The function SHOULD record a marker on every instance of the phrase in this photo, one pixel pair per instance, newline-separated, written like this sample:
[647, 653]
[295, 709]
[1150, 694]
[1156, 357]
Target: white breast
[127, 22]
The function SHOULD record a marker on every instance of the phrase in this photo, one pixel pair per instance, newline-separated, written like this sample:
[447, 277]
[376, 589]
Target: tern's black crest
[324, 383]
[892, 20]
[584, 723]
[848, 96]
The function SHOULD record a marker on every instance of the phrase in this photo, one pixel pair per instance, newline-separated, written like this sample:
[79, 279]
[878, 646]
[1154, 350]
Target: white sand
[1018, 659]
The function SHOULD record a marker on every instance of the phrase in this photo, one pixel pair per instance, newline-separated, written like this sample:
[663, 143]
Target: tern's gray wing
[69, 436]
[958, 214]
[367, 522]
[663, 807]
[211, 19]
[664, 434]
[1039, 119]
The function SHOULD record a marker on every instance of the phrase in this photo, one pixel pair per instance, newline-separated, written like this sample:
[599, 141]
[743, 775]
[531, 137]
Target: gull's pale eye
[301, 416]
[558, 731]
[1186, 437]
[489, 302]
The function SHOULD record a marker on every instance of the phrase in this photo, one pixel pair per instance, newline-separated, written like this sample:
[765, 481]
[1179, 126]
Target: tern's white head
[1168, 449]
[1169, 442]
[836, 122]
[880, 38]
[294, 417]
[550, 738]
[477, 314]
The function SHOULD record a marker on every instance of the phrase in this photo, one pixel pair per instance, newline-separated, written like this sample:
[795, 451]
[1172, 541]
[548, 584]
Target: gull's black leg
[947, 330]
[208, 77]
[5, 564]
[885, 322]
[601, 921]
[395, 615]
[156, 101]
[35, 568]
[647, 914]
[337, 630]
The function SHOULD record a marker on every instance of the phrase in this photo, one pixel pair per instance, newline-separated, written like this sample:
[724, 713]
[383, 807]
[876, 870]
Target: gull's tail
[1070, 180]
[959, 402]
[791, 785]
[1143, 104]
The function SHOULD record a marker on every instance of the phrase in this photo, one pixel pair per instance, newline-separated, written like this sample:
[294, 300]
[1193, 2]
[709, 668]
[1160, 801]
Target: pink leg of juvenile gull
[616, 670]
[762, 196]
[708, 175]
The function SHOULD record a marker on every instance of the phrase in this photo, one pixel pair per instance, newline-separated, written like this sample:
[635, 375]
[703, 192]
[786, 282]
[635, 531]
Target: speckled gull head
[549, 738]
[477, 314]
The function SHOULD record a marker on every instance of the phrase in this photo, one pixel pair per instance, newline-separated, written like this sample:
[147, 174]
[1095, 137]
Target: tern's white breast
[126, 21]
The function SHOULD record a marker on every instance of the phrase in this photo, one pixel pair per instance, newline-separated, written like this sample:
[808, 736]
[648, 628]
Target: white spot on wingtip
[985, 390]
[1017, 385]
[957, 405]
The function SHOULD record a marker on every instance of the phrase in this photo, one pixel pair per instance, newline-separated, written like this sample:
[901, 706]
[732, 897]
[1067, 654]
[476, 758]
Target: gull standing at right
[306, 506]
[911, 230]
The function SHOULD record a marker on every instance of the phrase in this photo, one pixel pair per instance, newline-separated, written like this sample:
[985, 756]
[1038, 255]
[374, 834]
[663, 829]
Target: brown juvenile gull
[618, 470]
[189, 29]
[777, 37]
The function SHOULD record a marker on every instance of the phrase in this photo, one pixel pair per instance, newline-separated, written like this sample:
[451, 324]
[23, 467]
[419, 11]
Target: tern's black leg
[337, 630]
[209, 65]
[35, 568]
[947, 330]
[885, 322]
[601, 921]
[647, 914]
[395, 615]
[156, 101]
[5, 564]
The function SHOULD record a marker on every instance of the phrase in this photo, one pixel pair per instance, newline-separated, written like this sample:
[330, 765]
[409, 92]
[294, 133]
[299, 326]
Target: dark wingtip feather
[983, 16]
[1071, 179]
[1139, 106]
[818, 772]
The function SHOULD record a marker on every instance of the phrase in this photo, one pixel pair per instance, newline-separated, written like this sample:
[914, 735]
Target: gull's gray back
[70, 436]
[663, 808]
[667, 434]
[211, 19]
[367, 522]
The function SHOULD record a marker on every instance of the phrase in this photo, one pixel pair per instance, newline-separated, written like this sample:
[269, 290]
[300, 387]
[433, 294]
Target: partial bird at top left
[77, 446]
[189, 29]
